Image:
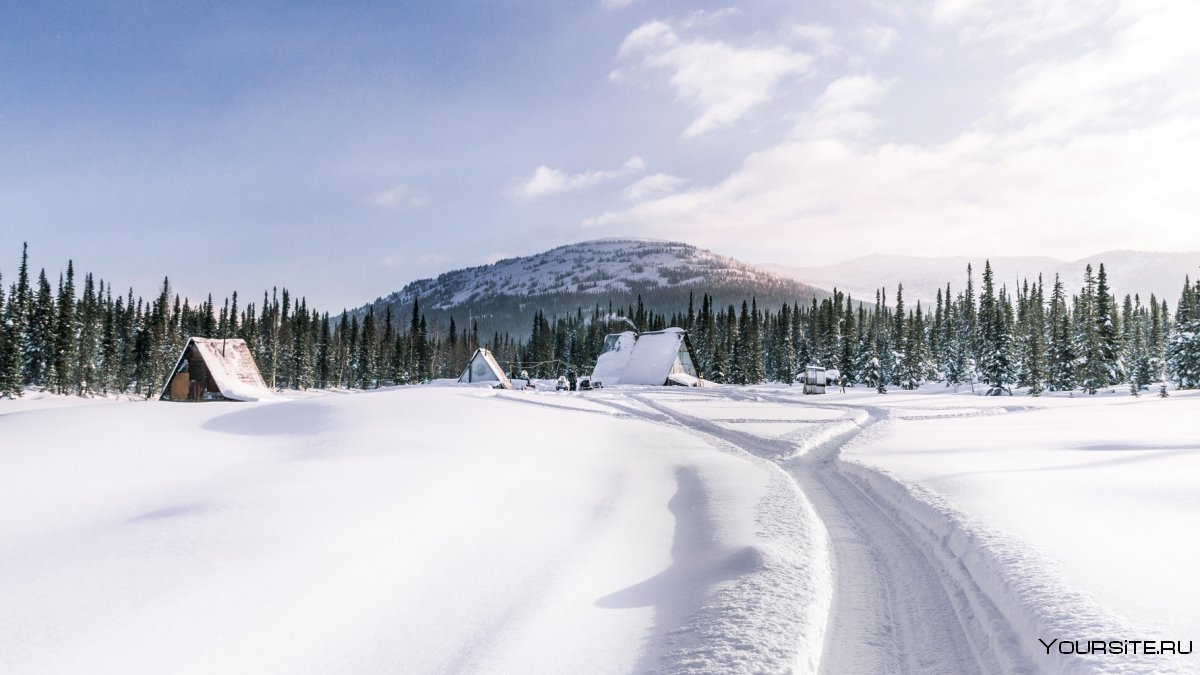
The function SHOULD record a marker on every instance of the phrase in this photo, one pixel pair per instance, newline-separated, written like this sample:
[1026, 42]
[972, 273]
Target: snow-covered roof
[483, 368]
[231, 366]
[612, 360]
[657, 355]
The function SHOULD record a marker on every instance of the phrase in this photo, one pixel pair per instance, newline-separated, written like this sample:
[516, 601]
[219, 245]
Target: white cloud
[722, 82]
[1089, 145]
[840, 110]
[616, 4]
[955, 11]
[1019, 24]
[398, 195]
[969, 195]
[654, 185]
[1149, 55]
[547, 181]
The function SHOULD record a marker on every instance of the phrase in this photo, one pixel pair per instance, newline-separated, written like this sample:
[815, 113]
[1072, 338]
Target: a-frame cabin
[214, 369]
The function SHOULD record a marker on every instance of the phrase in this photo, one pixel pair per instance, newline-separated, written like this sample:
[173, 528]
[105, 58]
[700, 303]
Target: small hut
[662, 357]
[211, 369]
[482, 368]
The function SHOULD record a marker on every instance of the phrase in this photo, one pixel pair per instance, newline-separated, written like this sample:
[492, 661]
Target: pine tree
[1185, 344]
[1062, 357]
[996, 358]
[10, 361]
[367, 353]
[65, 333]
[953, 362]
[1036, 365]
[17, 319]
[739, 366]
[755, 370]
[914, 355]
[90, 324]
[785, 351]
[40, 346]
[874, 375]
[1110, 366]
[851, 337]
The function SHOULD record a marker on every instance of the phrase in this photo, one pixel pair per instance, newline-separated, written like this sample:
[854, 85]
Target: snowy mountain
[504, 295]
[1128, 272]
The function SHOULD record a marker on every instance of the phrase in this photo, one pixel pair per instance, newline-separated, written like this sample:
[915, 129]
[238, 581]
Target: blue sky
[344, 150]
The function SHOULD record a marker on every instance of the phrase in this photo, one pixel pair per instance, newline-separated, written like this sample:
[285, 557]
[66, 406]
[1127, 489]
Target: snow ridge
[772, 619]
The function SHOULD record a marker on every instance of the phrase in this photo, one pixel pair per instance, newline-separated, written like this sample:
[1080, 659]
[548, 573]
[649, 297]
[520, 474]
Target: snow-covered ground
[430, 529]
[636, 529]
[1082, 510]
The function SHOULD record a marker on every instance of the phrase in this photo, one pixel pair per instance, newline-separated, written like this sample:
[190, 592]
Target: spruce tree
[846, 360]
[65, 333]
[10, 346]
[1036, 366]
[367, 353]
[755, 370]
[40, 345]
[914, 355]
[995, 352]
[1062, 357]
[17, 318]
[1110, 367]
[1185, 344]
[874, 375]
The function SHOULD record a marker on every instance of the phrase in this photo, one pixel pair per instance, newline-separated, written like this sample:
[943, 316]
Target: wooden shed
[214, 369]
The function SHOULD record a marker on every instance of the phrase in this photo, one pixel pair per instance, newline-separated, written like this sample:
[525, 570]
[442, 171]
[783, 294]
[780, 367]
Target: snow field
[418, 530]
[1071, 513]
[634, 529]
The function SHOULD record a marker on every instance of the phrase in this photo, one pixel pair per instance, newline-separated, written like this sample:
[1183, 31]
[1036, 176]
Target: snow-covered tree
[874, 375]
[1185, 344]
[995, 345]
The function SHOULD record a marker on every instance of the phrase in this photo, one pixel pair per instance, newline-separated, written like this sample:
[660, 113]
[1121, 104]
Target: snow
[635, 529]
[603, 266]
[232, 367]
[423, 529]
[653, 358]
[611, 363]
[1096, 496]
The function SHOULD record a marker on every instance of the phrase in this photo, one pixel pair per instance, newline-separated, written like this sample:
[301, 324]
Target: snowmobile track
[902, 602]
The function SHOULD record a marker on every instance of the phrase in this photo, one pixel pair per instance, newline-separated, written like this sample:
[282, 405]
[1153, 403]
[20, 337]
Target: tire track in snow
[897, 607]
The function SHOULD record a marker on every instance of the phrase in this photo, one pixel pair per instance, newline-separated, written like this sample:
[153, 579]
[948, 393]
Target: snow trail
[898, 606]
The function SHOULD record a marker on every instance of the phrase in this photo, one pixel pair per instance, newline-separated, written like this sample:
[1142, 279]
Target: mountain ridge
[503, 296]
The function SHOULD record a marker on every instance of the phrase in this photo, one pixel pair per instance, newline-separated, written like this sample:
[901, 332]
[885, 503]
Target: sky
[345, 149]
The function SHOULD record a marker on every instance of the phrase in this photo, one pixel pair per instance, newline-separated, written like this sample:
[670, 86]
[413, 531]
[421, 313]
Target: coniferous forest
[82, 336]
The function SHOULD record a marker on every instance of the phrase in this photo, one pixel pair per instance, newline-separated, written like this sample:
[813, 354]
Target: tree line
[1037, 338]
[86, 339]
